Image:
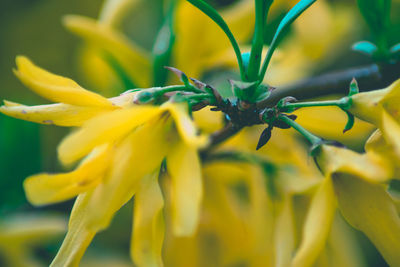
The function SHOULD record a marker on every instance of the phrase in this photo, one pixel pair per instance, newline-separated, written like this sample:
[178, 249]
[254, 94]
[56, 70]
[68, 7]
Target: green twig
[314, 140]
[341, 103]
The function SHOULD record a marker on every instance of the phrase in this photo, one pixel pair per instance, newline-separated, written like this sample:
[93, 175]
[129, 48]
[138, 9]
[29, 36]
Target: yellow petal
[133, 59]
[184, 168]
[57, 114]
[78, 237]
[185, 124]
[335, 159]
[148, 226]
[105, 128]
[369, 208]
[317, 225]
[138, 155]
[46, 188]
[391, 131]
[391, 100]
[284, 234]
[378, 146]
[56, 88]
[343, 248]
[366, 105]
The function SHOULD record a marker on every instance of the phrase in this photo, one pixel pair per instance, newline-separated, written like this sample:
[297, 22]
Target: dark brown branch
[369, 77]
[222, 135]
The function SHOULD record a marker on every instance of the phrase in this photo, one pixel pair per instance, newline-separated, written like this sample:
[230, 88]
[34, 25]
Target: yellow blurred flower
[110, 49]
[265, 220]
[19, 234]
[356, 182]
[122, 146]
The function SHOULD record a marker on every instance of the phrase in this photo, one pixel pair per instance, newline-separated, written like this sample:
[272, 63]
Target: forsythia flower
[353, 180]
[381, 108]
[265, 210]
[123, 147]
[21, 233]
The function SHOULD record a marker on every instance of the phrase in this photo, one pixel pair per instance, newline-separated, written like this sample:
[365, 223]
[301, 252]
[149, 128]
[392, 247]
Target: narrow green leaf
[261, 10]
[291, 16]
[162, 47]
[182, 76]
[216, 17]
[119, 71]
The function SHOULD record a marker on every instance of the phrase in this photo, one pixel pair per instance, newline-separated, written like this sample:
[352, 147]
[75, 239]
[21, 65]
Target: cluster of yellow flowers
[272, 207]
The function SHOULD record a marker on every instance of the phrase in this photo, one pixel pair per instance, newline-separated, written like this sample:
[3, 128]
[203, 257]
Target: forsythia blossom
[122, 147]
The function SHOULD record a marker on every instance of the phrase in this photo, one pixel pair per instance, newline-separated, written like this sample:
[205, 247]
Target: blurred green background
[32, 28]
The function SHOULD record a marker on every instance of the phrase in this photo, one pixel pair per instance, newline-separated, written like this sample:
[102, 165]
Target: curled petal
[57, 114]
[317, 225]
[340, 160]
[186, 190]
[105, 128]
[56, 88]
[370, 209]
[148, 226]
[46, 188]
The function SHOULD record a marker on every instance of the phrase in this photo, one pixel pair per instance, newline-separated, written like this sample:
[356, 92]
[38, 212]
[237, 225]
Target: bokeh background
[33, 28]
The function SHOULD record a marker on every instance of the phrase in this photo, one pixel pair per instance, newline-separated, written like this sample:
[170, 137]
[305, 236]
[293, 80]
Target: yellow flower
[355, 182]
[122, 146]
[265, 219]
[20, 233]
[381, 108]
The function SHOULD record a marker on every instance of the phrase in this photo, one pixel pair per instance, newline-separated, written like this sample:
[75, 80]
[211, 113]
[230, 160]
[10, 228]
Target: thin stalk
[216, 17]
[314, 140]
[342, 103]
[167, 89]
[258, 42]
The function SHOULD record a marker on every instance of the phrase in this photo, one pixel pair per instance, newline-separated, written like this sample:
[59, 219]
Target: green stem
[167, 89]
[314, 140]
[216, 17]
[258, 41]
[291, 16]
[341, 103]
